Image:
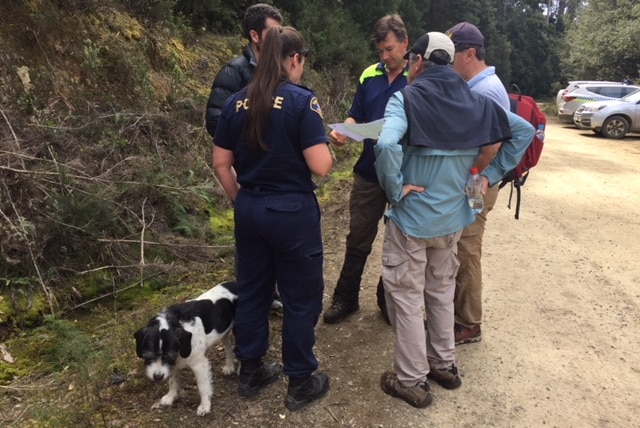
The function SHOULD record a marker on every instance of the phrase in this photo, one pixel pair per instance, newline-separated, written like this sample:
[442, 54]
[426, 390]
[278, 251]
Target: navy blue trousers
[278, 239]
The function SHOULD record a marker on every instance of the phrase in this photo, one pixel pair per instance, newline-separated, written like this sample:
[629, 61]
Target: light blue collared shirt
[443, 207]
[489, 84]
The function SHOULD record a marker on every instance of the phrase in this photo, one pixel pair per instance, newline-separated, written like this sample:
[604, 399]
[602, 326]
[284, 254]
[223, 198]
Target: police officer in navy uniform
[268, 142]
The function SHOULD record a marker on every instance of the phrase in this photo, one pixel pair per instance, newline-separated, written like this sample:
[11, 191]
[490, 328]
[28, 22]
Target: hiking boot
[303, 391]
[254, 377]
[467, 335]
[418, 395]
[338, 311]
[344, 301]
[447, 378]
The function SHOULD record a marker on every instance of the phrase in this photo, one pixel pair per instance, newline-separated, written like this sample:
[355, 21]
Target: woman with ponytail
[269, 141]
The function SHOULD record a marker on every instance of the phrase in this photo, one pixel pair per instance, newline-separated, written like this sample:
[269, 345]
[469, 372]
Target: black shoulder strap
[516, 183]
[518, 199]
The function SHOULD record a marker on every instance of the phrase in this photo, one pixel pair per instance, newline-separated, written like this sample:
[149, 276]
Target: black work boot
[345, 296]
[339, 311]
[254, 375]
[382, 302]
[303, 391]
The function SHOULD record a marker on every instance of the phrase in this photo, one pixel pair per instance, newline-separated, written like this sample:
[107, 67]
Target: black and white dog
[180, 336]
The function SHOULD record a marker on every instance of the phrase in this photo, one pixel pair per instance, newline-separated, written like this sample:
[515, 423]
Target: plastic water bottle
[474, 191]
[540, 132]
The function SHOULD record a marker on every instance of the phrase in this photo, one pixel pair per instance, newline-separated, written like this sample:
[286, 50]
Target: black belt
[255, 188]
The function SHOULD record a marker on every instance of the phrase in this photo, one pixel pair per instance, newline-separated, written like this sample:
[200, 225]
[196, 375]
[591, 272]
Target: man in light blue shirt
[487, 83]
[469, 62]
[434, 130]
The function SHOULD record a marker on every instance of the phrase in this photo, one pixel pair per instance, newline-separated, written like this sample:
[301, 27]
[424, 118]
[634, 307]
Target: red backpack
[527, 108]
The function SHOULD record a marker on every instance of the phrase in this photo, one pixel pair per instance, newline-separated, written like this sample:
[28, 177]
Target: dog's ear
[184, 338]
[139, 336]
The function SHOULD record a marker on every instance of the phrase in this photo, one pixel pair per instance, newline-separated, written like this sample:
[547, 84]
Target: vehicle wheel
[615, 127]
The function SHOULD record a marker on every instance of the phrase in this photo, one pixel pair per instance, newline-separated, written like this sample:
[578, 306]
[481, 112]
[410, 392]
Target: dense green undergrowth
[107, 188]
[109, 209]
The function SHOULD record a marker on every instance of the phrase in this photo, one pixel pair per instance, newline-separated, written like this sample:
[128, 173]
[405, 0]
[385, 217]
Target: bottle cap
[474, 170]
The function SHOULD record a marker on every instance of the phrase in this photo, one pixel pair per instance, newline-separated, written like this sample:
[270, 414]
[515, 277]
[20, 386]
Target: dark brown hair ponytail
[279, 44]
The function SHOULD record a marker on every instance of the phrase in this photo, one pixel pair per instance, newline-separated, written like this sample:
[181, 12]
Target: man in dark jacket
[237, 74]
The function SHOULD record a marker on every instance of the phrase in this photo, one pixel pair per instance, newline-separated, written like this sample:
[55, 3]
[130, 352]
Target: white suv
[579, 92]
[573, 84]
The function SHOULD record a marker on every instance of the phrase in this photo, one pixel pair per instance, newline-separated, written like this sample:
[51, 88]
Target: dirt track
[561, 300]
[562, 309]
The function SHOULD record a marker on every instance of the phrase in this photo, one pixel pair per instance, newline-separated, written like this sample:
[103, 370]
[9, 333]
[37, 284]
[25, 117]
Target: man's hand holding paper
[355, 131]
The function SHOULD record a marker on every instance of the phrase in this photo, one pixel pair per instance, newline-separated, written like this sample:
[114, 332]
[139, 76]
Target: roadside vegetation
[108, 204]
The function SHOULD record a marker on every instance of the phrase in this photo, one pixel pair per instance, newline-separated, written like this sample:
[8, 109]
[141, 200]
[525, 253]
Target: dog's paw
[228, 370]
[203, 409]
[166, 400]
[156, 405]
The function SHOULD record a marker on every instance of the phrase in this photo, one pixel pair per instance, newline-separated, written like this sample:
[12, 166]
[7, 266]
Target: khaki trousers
[468, 295]
[416, 273]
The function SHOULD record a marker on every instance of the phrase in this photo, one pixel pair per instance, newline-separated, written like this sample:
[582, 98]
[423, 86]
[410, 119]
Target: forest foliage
[105, 164]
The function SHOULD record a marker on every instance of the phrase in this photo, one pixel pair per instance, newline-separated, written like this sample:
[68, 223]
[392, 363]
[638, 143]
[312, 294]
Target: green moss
[5, 309]
[95, 284]
[222, 223]
[147, 292]
[338, 184]
[9, 372]
[344, 175]
[54, 346]
[23, 306]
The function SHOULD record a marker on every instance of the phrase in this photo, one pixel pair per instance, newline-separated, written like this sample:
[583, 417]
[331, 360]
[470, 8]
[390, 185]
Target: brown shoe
[467, 335]
[418, 395]
[447, 378]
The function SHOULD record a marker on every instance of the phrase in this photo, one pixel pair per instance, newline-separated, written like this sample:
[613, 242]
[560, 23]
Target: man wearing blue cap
[469, 62]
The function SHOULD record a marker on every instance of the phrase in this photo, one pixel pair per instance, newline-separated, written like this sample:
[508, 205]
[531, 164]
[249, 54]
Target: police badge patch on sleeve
[315, 106]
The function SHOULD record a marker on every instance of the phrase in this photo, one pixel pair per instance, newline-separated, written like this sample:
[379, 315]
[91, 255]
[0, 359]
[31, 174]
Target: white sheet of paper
[359, 131]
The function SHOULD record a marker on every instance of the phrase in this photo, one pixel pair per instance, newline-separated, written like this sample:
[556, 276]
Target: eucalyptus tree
[484, 14]
[219, 16]
[603, 41]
